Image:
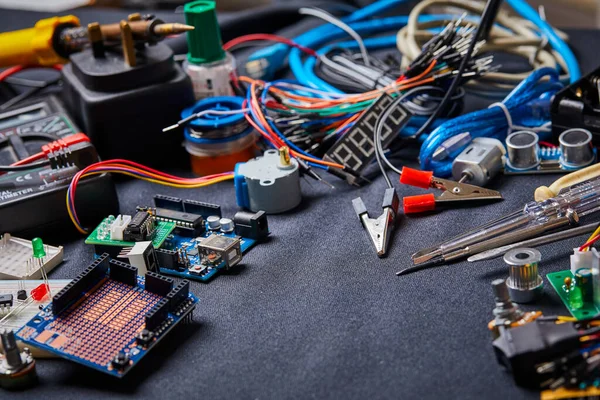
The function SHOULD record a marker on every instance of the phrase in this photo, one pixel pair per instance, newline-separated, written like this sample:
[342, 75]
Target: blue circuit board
[197, 271]
[550, 162]
[105, 321]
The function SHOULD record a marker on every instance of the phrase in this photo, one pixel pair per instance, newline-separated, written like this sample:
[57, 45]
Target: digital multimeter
[33, 201]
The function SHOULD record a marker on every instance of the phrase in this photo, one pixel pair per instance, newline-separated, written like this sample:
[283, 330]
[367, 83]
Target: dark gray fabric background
[314, 313]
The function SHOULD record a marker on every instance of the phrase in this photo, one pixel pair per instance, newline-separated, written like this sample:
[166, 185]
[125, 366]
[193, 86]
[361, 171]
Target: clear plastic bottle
[208, 65]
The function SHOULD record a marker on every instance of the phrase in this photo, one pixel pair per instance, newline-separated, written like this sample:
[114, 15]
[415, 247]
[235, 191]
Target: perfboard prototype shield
[108, 318]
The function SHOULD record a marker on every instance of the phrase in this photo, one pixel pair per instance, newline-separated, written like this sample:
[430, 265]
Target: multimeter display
[27, 115]
[34, 199]
[24, 130]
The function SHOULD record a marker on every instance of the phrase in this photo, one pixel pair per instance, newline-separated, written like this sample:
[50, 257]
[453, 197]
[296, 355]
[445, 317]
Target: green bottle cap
[38, 248]
[204, 42]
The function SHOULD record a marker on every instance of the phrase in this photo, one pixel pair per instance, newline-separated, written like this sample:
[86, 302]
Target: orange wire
[358, 98]
[319, 103]
[278, 143]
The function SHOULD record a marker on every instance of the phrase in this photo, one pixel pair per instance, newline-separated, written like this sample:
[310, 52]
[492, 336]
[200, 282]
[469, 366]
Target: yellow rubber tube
[34, 46]
[544, 193]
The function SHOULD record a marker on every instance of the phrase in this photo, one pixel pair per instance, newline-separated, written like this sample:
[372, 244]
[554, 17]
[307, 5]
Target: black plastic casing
[578, 106]
[32, 212]
[124, 109]
[521, 349]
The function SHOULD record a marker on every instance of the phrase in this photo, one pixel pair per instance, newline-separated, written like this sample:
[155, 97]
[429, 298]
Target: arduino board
[191, 240]
[182, 257]
[108, 318]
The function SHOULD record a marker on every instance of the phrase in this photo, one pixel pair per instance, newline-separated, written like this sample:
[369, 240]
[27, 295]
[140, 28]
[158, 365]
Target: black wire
[16, 168]
[377, 138]
[490, 11]
[378, 156]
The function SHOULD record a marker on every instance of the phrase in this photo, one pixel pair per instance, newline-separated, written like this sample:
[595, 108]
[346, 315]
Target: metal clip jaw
[379, 229]
[457, 191]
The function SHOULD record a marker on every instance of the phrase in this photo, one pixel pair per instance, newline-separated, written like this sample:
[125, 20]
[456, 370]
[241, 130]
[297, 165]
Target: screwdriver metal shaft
[552, 238]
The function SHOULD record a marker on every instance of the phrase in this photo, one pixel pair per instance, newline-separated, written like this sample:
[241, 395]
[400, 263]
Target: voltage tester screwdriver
[561, 205]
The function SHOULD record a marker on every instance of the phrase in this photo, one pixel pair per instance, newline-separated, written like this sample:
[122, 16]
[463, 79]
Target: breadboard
[16, 258]
[17, 320]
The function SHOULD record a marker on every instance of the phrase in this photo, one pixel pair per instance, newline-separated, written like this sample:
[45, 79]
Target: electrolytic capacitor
[214, 223]
[227, 225]
[583, 280]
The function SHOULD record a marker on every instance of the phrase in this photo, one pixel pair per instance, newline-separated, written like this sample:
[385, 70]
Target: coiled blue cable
[528, 105]
[275, 55]
[525, 10]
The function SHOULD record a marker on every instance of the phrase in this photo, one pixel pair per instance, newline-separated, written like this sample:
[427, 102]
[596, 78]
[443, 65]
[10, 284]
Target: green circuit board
[163, 230]
[557, 280]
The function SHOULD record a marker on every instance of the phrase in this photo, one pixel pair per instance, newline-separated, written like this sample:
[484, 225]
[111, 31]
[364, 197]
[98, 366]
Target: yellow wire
[592, 236]
[156, 176]
[176, 185]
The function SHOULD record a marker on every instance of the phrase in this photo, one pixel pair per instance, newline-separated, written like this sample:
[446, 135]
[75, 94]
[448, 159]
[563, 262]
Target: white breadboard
[16, 258]
[25, 313]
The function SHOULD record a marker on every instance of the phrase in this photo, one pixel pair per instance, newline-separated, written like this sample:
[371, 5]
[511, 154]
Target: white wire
[211, 112]
[324, 15]
[222, 112]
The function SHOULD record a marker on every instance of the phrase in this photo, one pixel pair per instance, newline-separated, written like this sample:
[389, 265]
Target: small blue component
[241, 188]
[550, 162]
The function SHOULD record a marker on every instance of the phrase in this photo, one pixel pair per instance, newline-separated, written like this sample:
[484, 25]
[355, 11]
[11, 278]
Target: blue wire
[308, 77]
[321, 166]
[525, 10]
[528, 105]
[272, 125]
[275, 55]
[307, 69]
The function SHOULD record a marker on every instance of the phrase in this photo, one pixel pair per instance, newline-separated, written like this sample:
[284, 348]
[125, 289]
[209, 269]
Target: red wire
[589, 243]
[9, 72]
[270, 37]
[547, 144]
[18, 68]
[89, 168]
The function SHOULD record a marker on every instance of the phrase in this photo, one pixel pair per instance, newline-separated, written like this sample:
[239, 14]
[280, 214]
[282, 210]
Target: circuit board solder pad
[104, 318]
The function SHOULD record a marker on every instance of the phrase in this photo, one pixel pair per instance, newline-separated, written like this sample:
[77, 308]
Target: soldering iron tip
[171, 29]
[185, 27]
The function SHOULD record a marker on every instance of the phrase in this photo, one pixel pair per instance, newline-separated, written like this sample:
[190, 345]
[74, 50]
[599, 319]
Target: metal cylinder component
[480, 161]
[214, 222]
[583, 280]
[227, 225]
[500, 290]
[523, 150]
[576, 148]
[505, 311]
[17, 368]
[524, 281]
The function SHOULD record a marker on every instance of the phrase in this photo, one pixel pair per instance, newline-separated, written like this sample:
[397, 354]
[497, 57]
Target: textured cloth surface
[313, 313]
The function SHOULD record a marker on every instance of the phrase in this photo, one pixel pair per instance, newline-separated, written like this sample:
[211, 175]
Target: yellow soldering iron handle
[34, 46]
[544, 193]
